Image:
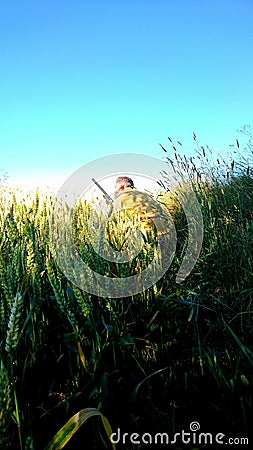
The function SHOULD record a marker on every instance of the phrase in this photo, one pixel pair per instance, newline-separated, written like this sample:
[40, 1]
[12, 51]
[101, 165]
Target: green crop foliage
[150, 362]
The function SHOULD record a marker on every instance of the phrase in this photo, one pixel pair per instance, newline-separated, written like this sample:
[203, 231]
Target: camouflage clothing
[143, 205]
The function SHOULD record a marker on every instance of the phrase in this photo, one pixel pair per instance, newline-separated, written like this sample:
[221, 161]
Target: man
[153, 220]
[140, 203]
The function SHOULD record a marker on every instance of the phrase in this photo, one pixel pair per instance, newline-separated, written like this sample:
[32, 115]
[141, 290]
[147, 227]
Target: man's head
[123, 183]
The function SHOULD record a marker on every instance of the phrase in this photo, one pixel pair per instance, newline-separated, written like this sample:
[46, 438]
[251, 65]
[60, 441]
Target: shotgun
[106, 196]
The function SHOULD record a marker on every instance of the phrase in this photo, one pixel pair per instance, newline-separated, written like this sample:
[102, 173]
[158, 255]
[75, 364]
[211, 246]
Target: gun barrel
[107, 196]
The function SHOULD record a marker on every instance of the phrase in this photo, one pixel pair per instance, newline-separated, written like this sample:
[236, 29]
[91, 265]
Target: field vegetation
[152, 362]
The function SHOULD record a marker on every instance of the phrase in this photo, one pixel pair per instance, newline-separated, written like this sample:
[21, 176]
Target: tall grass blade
[63, 436]
[245, 350]
[136, 389]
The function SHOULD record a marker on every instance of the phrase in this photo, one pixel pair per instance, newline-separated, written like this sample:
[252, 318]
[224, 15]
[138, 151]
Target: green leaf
[63, 436]
[135, 391]
[245, 350]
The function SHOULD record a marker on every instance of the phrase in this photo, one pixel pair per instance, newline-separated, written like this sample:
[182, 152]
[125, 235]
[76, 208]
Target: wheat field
[153, 361]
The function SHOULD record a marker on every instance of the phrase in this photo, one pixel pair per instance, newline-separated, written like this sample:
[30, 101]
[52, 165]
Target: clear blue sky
[83, 79]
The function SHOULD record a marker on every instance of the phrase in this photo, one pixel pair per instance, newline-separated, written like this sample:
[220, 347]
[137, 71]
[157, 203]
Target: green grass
[152, 362]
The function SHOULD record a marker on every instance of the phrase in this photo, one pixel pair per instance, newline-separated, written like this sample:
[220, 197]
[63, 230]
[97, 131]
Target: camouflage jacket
[142, 204]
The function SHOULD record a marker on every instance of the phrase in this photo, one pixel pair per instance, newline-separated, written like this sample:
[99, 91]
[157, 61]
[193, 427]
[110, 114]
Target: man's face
[119, 187]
